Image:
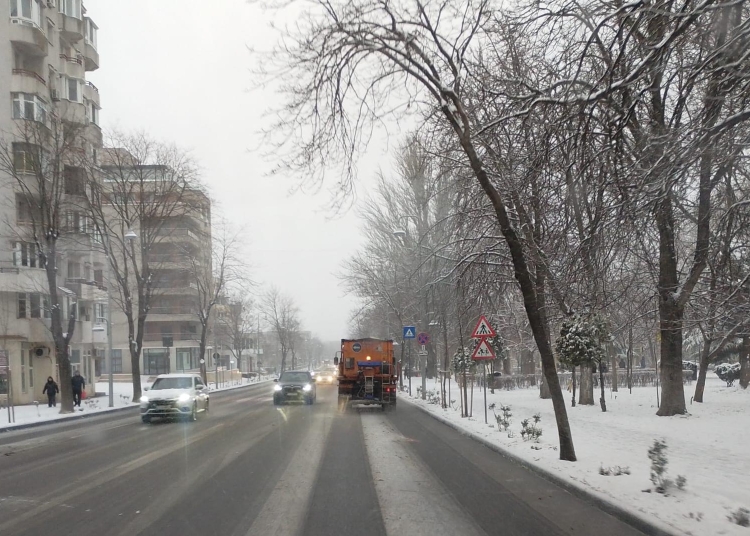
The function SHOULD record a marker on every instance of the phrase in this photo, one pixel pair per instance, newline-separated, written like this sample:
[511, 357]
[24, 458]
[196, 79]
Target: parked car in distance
[294, 385]
[175, 396]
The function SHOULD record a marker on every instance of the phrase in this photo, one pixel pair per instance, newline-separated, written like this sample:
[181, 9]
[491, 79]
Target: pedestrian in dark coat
[51, 389]
[79, 384]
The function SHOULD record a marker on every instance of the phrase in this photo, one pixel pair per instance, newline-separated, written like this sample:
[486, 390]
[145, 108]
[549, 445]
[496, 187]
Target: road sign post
[410, 332]
[483, 351]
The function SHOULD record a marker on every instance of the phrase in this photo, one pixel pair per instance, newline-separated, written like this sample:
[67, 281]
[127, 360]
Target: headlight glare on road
[277, 387]
[307, 387]
[184, 397]
[144, 399]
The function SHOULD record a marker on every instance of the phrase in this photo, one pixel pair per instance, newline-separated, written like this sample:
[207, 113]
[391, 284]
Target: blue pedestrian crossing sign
[410, 332]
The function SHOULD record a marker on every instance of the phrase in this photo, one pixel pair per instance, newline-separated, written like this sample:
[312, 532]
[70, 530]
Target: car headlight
[307, 387]
[330, 378]
[184, 397]
[277, 387]
[144, 399]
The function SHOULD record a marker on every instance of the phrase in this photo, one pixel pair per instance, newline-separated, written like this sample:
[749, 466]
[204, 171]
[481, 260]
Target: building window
[35, 305]
[74, 270]
[72, 89]
[99, 276]
[116, 361]
[91, 29]
[155, 361]
[75, 357]
[75, 181]
[24, 254]
[23, 371]
[25, 158]
[21, 305]
[71, 8]
[29, 106]
[100, 310]
[27, 11]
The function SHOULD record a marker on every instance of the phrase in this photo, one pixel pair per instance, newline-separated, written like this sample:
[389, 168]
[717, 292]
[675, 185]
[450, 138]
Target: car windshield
[295, 377]
[172, 383]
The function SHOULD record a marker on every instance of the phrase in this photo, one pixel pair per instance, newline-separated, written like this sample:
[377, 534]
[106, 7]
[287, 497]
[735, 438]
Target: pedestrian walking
[79, 384]
[51, 389]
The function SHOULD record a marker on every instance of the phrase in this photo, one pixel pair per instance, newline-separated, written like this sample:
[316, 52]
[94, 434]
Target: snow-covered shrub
[740, 517]
[530, 431]
[582, 340]
[728, 372]
[503, 420]
[614, 471]
[658, 456]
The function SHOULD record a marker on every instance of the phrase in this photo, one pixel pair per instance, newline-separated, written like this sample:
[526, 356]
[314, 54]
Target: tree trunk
[586, 393]
[135, 359]
[745, 362]
[702, 371]
[506, 366]
[613, 365]
[672, 400]
[65, 377]
[523, 276]
[573, 400]
[602, 400]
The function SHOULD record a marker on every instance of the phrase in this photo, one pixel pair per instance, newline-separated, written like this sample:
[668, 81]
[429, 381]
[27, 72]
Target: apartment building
[46, 49]
[171, 229]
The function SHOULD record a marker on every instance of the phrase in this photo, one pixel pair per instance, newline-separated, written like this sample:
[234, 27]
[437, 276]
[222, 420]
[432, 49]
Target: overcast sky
[181, 71]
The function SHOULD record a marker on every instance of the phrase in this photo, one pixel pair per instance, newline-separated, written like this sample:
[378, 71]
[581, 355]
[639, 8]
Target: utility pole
[110, 378]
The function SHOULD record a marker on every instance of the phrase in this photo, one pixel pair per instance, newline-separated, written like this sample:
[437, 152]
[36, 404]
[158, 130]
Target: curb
[639, 522]
[73, 417]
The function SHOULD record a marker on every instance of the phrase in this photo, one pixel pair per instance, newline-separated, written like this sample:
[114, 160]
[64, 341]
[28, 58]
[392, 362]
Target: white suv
[175, 395]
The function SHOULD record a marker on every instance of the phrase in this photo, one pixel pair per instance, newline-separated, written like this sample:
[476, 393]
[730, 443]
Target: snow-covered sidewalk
[708, 447]
[123, 392]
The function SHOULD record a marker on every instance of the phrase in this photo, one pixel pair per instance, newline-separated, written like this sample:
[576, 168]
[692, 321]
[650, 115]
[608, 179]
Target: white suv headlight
[277, 387]
[144, 399]
[307, 387]
[184, 397]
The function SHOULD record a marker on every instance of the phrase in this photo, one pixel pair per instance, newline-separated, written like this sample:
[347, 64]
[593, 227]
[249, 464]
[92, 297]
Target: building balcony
[72, 112]
[71, 28]
[177, 336]
[22, 279]
[72, 66]
[28, 37]
[91, 92]
[24, 81]
[91, 57]
[87, 290]
[176, 289]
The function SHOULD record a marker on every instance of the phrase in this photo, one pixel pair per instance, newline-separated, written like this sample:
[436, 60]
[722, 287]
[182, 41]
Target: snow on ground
[122, 391]
[709, 446]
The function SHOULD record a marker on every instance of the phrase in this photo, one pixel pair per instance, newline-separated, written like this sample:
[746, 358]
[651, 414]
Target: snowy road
[253, 469]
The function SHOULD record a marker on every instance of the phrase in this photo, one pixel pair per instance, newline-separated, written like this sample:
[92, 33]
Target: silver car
[175, 396]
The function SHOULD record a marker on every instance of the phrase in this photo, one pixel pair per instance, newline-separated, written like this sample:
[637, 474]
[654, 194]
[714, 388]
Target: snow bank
[708, 447]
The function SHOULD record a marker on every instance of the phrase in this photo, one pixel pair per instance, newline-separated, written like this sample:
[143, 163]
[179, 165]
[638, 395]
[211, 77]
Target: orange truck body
[368, 373]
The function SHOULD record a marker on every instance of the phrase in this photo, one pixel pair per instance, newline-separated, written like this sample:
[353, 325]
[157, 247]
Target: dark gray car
[294, 385]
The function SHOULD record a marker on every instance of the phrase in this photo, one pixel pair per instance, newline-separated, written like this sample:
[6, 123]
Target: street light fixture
[130, 235]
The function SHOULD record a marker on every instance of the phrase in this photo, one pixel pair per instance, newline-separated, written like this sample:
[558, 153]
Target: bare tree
[37, 158]
[237, 325]
[141, 191]
[344, 70]
[211, 275]
[283, 316]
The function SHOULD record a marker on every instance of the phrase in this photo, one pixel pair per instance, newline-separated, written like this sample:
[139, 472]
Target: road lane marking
[284, 512]
[412, 501]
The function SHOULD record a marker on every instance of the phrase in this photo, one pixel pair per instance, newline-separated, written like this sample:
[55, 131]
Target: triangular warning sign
[409, 333]
[483, 351]
[483, 329]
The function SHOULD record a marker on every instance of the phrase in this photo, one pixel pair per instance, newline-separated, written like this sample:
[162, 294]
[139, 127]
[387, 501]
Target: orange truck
[367, 373]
